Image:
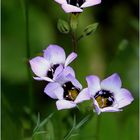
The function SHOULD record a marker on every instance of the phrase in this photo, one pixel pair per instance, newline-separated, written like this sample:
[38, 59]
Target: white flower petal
[70, 8]
[54, 90]
[61, 1]
[89, 3]
[43, 78]
[64, 104]
[124, 98]
[82, 96]
[58, 70]
[110, 109]
[112, 83]
[55, 54]
[39, 66]
[70, 58]
[69, 70]
[74, 81]
[93, 84]
[97, 108]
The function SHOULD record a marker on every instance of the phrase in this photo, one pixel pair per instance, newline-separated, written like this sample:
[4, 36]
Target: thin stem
[28, 52]
[74, 41]
[98, 127]
[74, 25]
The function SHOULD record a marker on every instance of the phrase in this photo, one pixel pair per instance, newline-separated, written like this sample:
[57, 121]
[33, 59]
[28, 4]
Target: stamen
[104, 98]
[70, 91]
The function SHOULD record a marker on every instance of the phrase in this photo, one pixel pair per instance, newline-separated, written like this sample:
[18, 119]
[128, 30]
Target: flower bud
[63, 26]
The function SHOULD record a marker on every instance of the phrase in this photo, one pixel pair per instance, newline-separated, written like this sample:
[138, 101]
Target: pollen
[70, 91]
[104, 98]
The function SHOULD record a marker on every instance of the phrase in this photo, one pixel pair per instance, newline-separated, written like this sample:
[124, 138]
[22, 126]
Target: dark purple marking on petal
[77, 3]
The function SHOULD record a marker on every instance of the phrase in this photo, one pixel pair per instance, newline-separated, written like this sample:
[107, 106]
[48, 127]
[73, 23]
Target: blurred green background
[112, 48]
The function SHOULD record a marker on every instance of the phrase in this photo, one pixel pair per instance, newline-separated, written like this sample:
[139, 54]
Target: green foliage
[75, 127]
[90, 29]
[114, 48]
[63, 26]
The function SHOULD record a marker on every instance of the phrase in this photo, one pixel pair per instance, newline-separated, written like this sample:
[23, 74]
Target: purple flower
[67, 90]
[72, 6]
[51, 64]
[107, 95]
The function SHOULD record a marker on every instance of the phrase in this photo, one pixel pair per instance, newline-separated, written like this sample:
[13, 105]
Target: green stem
[74, 25]
[28, 53]
[98, 126]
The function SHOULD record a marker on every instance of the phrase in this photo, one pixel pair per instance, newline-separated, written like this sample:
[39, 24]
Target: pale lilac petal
[55, 54]
[110, 109]
[74, 81]
[112, 83]
[70, 8]
[58, 70]
[89, 3]
[43, 78]
[61, 1]
[64, 104]
[97, 108]
[82, 96]
[123, 98]
[70, 58]
[39, 66]
[93, 84]
[54, 90]
[69, 70]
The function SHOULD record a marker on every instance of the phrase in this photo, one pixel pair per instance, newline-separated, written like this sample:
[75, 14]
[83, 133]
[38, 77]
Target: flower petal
[43, 78]
[70, 58]
[97, 108]
[64, 104]
[54, 90]
[124, 98]
[69, 70]
[110, 109]
[82, 96]
[55, 54]
[74, 81]
[70, 8]
[93, 84]
[39, 66]
[58, 70]
[112, 83]
[89, 3]
[61, 1]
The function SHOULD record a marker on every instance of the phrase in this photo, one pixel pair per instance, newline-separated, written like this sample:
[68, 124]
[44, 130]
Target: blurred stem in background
[28, 54]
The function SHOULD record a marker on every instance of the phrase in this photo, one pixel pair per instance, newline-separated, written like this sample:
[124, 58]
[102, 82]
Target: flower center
[70, 91]
[77, 3]
[51, 71]
[104, 98]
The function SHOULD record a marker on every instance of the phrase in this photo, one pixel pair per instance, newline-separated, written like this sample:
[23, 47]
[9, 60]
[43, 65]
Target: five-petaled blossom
[51, 64]
[76, 6]
[66, 89]
[107, 95]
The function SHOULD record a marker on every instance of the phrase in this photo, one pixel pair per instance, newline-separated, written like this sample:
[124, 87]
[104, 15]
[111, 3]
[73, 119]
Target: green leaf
[38, 122]
[63, 26]
[40, 125]
[75, 127]
[82, 122]
[90, 29]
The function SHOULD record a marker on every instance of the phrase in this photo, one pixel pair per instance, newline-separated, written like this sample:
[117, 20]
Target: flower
[107, 95]
[51, 64]
[72, 6]
[67, 89]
